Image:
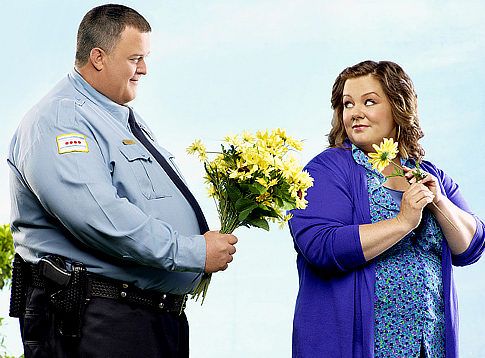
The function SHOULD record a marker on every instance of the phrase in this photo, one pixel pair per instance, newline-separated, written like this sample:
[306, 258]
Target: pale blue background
[224, 66]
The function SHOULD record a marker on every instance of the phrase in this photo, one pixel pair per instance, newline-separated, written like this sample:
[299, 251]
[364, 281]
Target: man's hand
[219, 250]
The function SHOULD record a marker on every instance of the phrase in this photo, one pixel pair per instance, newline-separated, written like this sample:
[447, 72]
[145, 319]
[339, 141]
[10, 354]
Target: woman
[375, 255]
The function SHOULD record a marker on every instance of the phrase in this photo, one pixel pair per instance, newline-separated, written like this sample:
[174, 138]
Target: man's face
[124, 66]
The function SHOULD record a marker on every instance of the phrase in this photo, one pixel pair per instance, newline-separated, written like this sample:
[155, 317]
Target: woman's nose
[357, 113]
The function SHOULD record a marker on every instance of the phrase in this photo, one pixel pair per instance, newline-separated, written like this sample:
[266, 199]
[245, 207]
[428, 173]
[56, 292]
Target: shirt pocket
[147, 172]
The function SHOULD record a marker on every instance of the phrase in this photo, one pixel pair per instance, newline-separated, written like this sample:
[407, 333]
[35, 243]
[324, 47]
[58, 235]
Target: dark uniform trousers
[110, 329]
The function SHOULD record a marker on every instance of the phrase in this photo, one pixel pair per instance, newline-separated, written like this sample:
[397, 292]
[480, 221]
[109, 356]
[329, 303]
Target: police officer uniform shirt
[84, 188]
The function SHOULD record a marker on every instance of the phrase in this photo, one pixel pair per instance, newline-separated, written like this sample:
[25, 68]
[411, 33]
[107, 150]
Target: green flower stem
[397, 166]
[229, 217]
[229, 222]
[435, 206]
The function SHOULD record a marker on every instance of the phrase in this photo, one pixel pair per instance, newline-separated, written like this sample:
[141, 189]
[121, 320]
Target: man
[108, 236]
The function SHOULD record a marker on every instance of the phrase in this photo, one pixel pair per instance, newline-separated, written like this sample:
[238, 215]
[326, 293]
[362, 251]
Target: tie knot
[131, 116]
[131, 121]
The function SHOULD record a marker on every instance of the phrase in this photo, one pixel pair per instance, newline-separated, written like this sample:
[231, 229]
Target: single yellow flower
[262, 181]
[211, 191]
[198, 147]
[263, 197]
[272, 182]
[384, 154]
[296, 144]
[248, 137]
[234, 140]
[284, 220]
[301, 203]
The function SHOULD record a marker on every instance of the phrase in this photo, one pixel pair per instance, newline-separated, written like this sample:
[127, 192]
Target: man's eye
[348, 104]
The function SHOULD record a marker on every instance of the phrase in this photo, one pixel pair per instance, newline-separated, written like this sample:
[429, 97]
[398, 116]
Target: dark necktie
[138, 133]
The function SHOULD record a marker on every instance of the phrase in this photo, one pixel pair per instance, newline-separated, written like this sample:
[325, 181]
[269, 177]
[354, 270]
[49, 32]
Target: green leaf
[257, 188]
[261, 223]
[396, 173]
[6, 254]
[279, 201]
[418, 173]
[245, 213]
[254, 188]
[243, 203]
[267, 211]
[233, 193]
[287, 205]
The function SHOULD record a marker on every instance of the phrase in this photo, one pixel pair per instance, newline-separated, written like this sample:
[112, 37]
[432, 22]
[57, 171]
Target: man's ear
[96, 57]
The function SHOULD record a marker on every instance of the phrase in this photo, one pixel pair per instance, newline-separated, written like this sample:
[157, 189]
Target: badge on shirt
[72, 142]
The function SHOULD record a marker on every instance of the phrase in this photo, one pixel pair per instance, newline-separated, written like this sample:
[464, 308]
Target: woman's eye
[348, 104]
[369, 102]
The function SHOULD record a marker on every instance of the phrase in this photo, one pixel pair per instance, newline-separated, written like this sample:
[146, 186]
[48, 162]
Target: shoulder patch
[72, 142]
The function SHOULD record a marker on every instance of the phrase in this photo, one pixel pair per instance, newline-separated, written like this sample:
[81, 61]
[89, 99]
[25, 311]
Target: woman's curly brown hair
[401, 94]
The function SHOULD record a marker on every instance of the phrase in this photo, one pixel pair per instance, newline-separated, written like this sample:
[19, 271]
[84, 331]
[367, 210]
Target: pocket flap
[134, 152]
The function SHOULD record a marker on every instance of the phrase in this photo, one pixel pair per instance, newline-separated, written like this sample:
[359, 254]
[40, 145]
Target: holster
[66, 290]
[68, 302]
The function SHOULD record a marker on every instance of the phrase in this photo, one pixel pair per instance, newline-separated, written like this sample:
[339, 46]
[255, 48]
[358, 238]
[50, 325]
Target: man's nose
[141, 67]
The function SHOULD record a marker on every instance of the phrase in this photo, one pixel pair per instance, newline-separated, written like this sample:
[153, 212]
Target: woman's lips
[359, 127]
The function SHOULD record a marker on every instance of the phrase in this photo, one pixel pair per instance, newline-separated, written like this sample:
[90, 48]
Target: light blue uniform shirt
[84, 188]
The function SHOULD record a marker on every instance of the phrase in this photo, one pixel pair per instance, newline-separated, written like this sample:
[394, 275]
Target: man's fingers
[232, 239]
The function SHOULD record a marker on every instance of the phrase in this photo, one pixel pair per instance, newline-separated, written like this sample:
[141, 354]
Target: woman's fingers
[418, 195]
[424, 200]
[409, 175]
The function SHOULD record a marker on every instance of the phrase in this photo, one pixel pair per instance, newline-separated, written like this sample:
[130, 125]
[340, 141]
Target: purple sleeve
[325, 233]
[477, 245]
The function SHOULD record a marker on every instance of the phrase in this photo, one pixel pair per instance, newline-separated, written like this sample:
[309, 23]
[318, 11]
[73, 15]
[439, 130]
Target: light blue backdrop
[224, 66]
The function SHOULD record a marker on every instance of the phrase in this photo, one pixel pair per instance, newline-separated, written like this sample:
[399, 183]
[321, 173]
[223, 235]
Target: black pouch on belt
[19, 287]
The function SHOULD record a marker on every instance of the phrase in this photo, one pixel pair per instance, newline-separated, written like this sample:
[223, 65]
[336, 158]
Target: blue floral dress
[408, 305]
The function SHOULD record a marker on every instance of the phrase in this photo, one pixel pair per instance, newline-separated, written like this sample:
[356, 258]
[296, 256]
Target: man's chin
[129, 98]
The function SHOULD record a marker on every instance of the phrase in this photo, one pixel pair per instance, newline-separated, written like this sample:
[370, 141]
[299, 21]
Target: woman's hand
[430, 181]
[412, 204]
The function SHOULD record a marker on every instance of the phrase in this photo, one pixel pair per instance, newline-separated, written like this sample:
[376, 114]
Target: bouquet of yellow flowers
[253, 179]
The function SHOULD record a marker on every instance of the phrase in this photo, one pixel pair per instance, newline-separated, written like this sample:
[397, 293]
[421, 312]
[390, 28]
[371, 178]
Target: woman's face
[367, 113]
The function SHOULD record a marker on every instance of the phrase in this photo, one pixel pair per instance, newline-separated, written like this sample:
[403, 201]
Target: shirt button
[123, 294]
[161, 305]
[125, 285]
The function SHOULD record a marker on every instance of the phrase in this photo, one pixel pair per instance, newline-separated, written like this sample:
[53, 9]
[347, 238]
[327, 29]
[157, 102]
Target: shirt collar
[360, 158]
[117, 111]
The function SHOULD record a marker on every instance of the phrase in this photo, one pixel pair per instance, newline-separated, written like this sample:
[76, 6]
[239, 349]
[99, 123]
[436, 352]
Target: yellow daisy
[198, 147]
[384, 154]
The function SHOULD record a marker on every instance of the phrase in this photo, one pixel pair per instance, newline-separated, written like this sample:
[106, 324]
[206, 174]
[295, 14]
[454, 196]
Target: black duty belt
[99, 286]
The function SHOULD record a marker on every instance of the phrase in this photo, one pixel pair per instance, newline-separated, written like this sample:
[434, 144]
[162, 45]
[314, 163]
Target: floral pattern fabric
[408, 304]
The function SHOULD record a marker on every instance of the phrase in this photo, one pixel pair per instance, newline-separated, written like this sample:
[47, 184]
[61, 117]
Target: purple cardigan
[334, 312]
